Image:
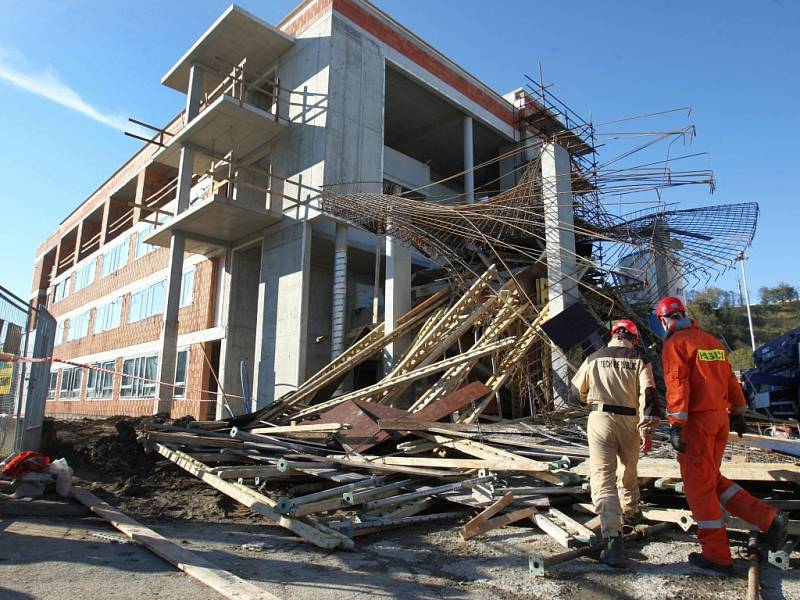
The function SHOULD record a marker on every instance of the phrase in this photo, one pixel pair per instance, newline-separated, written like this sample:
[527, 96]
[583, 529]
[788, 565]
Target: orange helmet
[626, 325]
[668, 305]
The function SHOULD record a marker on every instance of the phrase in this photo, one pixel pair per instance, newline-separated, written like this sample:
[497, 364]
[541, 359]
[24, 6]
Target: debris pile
[443, 438]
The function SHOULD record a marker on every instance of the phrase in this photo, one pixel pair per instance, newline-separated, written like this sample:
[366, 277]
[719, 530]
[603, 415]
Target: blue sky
[80, 68]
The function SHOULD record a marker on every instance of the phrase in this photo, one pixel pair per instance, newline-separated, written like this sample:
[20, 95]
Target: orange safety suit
[701, 392]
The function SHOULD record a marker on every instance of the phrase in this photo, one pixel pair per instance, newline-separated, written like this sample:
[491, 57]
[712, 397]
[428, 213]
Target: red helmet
[668, 305]
[626, 325]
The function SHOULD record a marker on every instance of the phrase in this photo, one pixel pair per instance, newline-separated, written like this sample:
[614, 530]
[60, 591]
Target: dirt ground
[46, 557]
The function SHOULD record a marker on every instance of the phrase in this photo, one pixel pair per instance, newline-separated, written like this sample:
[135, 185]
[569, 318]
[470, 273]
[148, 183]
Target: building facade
[201, 279]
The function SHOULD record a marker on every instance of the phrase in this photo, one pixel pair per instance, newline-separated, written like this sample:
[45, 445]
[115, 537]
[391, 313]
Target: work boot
[612, 554]
[775, 536]
[698, 560]
[633, 519]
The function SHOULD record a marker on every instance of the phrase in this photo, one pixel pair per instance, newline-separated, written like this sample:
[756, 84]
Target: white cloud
[46, 84]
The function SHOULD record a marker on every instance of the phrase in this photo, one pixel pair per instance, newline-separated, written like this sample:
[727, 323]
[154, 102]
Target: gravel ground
[65, 558]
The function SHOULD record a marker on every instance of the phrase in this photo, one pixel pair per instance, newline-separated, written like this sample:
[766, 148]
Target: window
[139, 377]
[100, 383]
[59, 332]
[143, 249]
[51, 389]
[85, 275]
[71, 383]
[108, 316]
[60, 290]
[181, 364]
[116, 258]
[147, 302]
[187, 288]
[78, 327]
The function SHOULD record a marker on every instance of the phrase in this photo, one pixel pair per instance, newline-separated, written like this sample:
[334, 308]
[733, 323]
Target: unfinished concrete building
[204, 262]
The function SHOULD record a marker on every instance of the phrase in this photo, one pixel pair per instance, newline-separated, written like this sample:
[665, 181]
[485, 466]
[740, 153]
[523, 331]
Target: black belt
[617, 410]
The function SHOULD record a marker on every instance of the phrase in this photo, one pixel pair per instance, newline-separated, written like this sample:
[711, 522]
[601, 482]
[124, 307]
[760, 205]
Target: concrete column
[240, 294]
[139, 197]
[469, 161]
[397, 296]
[195, 92]
[169, 331]
[104, 222]
[282, 317]
[338, 316]
[560, 247]
[78, 236]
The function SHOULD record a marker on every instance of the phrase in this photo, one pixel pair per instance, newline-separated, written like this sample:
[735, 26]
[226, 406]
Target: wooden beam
[386, 383]
[506, 519]
[540, 470]
[227, 584]
[660, 468]
[473, 527]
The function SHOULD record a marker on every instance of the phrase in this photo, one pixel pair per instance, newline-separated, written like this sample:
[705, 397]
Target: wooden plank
[227, 584]
[449, 463]
[765, 442]
[325, 427]
[382, 467]
[309, 530]
[453, 377]
[389, 383]
[505, 519]
[658, 468]
[540, 470]
[472, 527]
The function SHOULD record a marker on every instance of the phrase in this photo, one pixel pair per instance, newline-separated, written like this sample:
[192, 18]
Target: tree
[783, 292]
[710, 298]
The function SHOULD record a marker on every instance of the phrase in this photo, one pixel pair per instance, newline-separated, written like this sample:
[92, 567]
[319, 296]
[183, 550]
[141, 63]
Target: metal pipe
[339, 490]
[424, 493]
[361, 497]
[537, 562]
[747, 300]
[753, 558]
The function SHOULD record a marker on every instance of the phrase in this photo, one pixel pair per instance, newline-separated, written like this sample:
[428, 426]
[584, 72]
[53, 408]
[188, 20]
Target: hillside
[769, 321]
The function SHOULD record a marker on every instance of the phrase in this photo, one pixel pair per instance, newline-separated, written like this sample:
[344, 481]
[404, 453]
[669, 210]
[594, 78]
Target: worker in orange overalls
[705, 401]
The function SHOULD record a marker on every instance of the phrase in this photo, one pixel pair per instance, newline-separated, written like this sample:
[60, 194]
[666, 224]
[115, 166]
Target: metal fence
[25, 332]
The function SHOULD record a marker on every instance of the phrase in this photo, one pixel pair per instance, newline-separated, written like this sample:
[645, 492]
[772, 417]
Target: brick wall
[197, 316]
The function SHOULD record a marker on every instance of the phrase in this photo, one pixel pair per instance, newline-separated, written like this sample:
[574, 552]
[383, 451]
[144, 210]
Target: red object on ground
[26, 462]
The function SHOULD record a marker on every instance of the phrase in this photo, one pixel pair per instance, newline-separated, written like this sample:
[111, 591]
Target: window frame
[71, 383]
[144, 366]
[85, 275]
[100, 384]
[119, 252]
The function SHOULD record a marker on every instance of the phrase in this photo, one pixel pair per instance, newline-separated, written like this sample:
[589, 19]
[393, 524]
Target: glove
[676, 438]
[647, 443]
[738, 424]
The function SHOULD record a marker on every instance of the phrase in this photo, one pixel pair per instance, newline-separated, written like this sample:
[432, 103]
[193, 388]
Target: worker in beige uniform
[617, 382]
